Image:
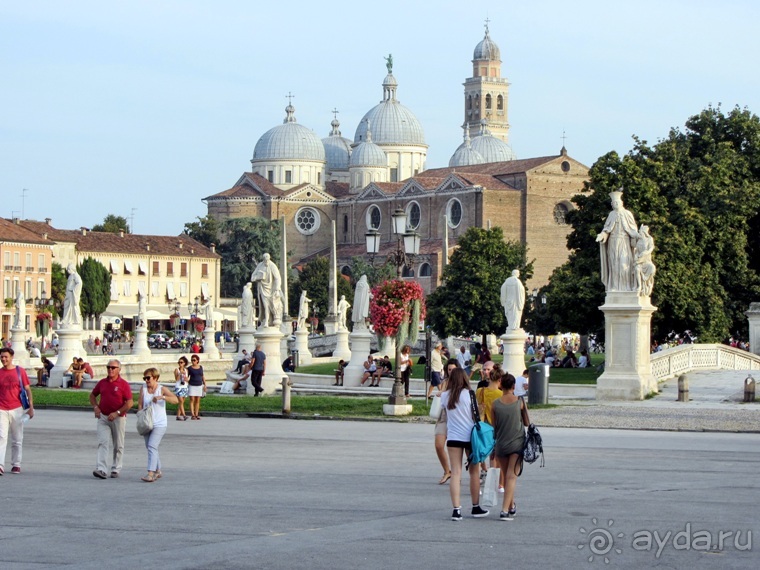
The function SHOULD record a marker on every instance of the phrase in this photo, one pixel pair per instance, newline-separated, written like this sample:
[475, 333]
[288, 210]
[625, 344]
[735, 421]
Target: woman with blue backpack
[457, 401]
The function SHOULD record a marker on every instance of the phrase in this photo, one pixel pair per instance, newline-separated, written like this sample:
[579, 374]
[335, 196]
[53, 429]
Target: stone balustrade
[687, 357]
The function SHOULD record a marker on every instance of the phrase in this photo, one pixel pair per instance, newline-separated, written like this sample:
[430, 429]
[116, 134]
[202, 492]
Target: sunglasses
[112, 367]
[146, 378]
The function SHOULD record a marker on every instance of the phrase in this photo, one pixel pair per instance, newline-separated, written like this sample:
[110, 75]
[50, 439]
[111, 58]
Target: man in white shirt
[521, 385]
[464, 359]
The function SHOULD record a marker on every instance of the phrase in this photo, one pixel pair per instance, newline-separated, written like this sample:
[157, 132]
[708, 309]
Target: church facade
[358, 184]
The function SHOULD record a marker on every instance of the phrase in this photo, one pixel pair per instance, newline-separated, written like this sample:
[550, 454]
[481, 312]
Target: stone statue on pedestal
[343, 307]
[246, 306]
[645, 268]
[208, 313]
[267, 276]
[303, 311]
[142, 306]
[513, 300]
[72, 315]
[616, 241]
[19, 317]
[361, 303]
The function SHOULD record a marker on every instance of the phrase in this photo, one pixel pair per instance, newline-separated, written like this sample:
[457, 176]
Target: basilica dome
[487, 49]
[367, 153]
[491, 148]
[289, 141]
[465, 155]
[392, 123]
[337, 148]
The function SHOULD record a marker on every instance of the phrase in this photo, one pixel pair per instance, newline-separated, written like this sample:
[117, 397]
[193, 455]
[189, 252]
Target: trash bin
[295, 359]
[538, 384]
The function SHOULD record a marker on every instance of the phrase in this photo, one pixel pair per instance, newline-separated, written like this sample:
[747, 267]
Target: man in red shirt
[11, 410]
[115, 400]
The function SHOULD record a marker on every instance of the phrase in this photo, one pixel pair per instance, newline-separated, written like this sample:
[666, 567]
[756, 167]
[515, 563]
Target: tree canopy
[315, 280]
[113, 224]
[468, 299]
[96, 287]
[57, 286]
[375, 273]
[699, 192]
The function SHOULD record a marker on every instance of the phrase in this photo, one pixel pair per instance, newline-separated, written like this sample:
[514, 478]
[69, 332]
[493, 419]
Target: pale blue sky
[154, 105]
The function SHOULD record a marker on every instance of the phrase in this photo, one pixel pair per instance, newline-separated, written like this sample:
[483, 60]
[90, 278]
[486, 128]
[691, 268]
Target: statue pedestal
[246, 341]
[753, 319]
[210, 350]
[360, 349]
[69, 346]
[627, 369]
[18, 344]
[140, 347]
[493, 346]
[302, 346]
[331, 324]
[513, 342]
[287, 330]
[269, 339]
[341, 348]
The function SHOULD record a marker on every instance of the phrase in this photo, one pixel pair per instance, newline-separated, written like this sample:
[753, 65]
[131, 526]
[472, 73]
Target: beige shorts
[441, 427]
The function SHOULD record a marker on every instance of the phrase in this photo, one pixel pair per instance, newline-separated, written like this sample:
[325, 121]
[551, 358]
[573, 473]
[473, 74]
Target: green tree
[96, 287]
[375, 273]
[242, 245]
[206, 230]
[699, 191]
[468, 299]
[58, 287]
[315, 280]
[113, 224]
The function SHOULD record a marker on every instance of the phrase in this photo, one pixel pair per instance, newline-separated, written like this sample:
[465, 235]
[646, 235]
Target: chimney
[84, 231]
[192, 250]
[48, 220]
[121, 233]
[213, 248]
[147, 246]
[44, 236]
[16, 221]
[180, 245]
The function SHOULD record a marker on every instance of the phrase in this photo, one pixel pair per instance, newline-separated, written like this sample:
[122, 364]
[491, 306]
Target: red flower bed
[393, 304]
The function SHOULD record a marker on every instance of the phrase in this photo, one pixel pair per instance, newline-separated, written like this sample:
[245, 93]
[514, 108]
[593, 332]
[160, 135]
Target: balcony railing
[29, 269]
[42, 269]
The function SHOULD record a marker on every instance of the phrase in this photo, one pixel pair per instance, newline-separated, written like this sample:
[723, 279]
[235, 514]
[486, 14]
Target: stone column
[341, 348]
[627, 365]
[18, 344]
[140, 347]
[513, 342]
[331, 321]
[360, 346]
[209, 345]
[753, 316]
[269, 338]
[302, 346]
[286, 326]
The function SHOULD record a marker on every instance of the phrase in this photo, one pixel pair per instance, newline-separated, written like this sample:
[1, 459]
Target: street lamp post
[42, 303]
[407, 246]
[174, 306]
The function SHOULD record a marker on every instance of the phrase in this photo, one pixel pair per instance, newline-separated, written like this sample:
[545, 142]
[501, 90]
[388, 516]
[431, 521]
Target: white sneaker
[501, 489]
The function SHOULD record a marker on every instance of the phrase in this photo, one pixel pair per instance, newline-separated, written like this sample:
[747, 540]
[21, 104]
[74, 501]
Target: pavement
[277, 494]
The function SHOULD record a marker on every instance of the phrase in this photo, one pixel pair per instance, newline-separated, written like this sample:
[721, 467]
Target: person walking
[196, 386]
[154, 395]
[440, 430]
[457, 401]
[405, 366]
[181, 387]
[257, 368]
[111, 399]
[13, 379]
[510, 415]
[436, 370]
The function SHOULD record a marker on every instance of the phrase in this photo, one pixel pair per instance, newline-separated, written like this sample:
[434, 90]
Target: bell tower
[486, 93]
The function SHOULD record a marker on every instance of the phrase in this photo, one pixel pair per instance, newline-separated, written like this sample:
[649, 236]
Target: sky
[143, 108]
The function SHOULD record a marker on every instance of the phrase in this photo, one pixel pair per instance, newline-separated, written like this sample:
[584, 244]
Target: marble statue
[303, 311]
[246, 306]
[19, 317]
[513, 300]
[361, 303]
[343, 307]
[616, 242]
[72, 314]
[142, 307]
[645, 268]
[267, 277]
[208, 312]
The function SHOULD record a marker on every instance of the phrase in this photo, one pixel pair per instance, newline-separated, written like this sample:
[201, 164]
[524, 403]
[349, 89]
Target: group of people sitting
[374, 369]
[562, 358]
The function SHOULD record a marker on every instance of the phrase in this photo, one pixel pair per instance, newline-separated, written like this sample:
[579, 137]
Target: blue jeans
[152, 441]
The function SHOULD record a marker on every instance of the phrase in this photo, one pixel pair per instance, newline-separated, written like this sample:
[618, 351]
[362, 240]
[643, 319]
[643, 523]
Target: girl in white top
[156, 396]
[456, 400]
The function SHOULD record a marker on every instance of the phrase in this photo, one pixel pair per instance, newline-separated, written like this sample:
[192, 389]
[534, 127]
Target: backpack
[481, 437]
[533, 446]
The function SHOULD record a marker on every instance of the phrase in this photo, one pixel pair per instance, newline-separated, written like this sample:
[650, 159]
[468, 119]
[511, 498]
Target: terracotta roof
[244, 188]
[10, 231]
[493, 168]
[106, 242]
[337, 189]
[484, 180]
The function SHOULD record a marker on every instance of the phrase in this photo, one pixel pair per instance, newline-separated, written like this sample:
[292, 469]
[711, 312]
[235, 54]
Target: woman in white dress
[155, 395]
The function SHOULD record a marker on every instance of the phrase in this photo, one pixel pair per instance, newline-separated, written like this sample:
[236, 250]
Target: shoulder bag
[145, 420]
[481, 437]
[23, 395]
[435, 407]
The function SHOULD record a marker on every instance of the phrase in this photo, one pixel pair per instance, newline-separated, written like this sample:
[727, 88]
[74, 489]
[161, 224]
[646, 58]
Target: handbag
[227, 387]
[23, 395]
[489, 487]
[533, 446]
[145, 420]
[481, 438]
[435, 408]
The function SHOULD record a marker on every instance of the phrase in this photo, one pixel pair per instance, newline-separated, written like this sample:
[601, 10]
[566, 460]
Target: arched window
[488, 101]
[454, 212]
[426, 270]
[469, 102]
[345, 223]
[499, 103]
[560, 214]
[307, 220]
[413, 215]
[374, 218]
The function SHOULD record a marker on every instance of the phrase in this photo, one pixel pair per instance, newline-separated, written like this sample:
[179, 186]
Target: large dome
[392, 123]
[491, 148]
[465, 155]
[289, 141]
[487, 49]
[367, 153]
[337, 148]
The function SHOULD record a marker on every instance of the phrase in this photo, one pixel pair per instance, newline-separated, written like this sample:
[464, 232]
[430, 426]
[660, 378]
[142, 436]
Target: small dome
[491, 148]
[368, 153]
[464, 154]
[337, 148]
[487, 49]
[289, 141]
